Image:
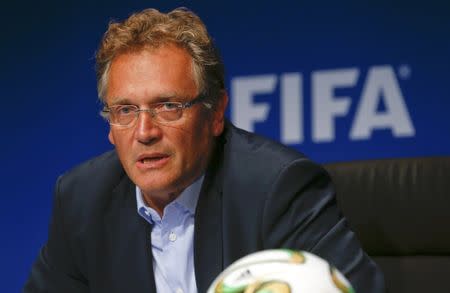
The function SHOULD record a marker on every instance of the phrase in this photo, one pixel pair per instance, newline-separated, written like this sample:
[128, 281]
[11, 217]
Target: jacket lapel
[129, 243]
[208, 242]
[208, 239]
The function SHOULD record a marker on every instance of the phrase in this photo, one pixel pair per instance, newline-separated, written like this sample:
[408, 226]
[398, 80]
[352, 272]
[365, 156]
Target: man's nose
[147, 130]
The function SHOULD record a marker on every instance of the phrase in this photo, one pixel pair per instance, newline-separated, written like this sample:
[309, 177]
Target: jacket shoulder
[252, 163]
[89, 186]
[258, 150]
[102, 169]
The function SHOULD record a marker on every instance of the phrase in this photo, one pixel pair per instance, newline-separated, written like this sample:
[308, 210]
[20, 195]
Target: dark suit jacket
[257, 194]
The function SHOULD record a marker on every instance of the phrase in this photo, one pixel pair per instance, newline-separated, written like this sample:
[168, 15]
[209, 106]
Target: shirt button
[173, 237]
[179, 290]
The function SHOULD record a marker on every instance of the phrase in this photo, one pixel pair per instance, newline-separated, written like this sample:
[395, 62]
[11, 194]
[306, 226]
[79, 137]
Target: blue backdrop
[338, 80]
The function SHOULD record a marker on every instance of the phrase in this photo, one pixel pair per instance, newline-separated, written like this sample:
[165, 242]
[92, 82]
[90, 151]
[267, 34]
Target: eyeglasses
[127, 115]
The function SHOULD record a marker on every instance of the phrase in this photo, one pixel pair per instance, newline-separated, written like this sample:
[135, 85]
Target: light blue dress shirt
[173, 240]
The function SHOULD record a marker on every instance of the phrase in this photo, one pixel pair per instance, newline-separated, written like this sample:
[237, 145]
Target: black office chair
[400, 210]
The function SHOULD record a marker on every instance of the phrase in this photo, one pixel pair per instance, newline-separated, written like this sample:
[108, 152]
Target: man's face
[160, 158]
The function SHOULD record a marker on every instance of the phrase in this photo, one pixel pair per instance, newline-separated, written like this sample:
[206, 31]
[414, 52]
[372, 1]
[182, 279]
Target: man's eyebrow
[121, 101]
[171, 97]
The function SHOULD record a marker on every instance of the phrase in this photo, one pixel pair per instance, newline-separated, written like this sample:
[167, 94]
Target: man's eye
[125, 110]
[170, 106]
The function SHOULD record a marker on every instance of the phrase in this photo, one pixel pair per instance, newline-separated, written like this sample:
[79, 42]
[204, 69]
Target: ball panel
[281, 271]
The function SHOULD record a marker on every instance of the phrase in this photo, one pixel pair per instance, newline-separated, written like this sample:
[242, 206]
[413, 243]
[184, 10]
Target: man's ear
[219, 115]
[111, 137]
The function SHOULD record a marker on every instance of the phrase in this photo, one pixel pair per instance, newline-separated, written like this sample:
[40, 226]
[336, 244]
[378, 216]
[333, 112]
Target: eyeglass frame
[106, 111]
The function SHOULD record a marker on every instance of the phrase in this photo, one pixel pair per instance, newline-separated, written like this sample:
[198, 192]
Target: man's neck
[159, 203]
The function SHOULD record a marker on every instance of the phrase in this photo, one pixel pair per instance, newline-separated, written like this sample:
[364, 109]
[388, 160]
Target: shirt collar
[187, 199]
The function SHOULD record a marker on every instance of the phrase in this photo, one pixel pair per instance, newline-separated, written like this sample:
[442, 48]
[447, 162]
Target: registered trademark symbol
[404, 71]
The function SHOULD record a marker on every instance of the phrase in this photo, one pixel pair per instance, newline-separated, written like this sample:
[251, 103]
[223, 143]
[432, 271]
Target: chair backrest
[400, 210]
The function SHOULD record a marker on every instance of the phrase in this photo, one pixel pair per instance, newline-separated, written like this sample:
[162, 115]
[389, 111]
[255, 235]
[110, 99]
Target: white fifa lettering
[381, 83]
[325, 105]
[291, 118]
[244, 111]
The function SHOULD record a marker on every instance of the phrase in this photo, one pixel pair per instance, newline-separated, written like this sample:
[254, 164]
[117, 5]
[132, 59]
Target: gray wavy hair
[151, 28]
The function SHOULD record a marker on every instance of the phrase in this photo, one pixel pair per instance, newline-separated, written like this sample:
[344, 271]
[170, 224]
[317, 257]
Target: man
[185, 193]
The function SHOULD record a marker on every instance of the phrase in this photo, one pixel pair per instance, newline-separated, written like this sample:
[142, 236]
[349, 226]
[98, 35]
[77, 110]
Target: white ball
[281, 271]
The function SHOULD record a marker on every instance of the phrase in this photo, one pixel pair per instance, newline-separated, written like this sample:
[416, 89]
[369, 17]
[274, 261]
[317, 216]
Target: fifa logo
[332, 95]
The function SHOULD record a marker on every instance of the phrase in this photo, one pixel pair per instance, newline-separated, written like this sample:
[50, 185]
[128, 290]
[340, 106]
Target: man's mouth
[152, 161]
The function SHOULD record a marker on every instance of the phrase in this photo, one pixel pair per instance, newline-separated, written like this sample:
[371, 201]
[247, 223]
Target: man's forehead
[158, 75]
[152, 48]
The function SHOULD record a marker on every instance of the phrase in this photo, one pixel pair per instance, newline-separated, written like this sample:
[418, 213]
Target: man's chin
[157, 188]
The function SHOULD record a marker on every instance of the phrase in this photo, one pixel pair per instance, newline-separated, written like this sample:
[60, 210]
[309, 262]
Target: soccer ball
[280, 271]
